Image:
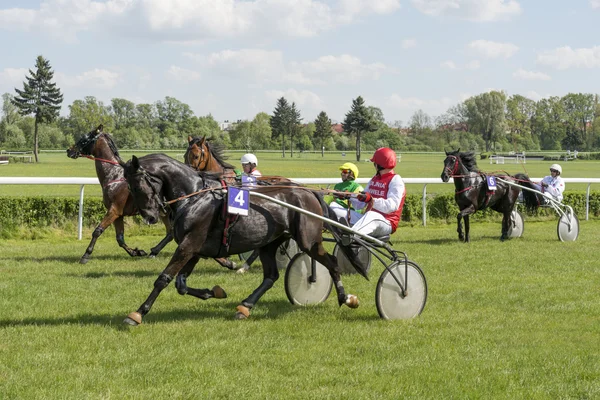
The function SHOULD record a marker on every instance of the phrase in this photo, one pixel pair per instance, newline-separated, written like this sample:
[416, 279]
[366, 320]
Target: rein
[101, 159]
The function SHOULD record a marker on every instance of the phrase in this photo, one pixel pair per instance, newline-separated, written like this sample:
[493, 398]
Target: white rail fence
[306, 181]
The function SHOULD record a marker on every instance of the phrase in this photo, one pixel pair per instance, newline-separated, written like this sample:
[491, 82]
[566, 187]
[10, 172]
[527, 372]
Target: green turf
[512, 320]
[303, 165]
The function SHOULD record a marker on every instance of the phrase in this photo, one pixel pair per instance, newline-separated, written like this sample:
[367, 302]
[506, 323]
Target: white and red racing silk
[388, 192]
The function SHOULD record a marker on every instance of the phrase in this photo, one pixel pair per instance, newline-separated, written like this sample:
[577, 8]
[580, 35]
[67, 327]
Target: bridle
[87, 142]
[452, 172]
[202, 159]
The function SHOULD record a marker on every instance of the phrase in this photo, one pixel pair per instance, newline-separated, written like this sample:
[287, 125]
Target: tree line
[486, 122]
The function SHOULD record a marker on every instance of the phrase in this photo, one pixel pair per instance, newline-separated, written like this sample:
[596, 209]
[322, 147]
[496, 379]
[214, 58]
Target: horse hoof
[242, 312]
[241, 271]
[133, 319]
[84, 260]
[152, 255]
[141, 253]
[352, 301]
[219, 292]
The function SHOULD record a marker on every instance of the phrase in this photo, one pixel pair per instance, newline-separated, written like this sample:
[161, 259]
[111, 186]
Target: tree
[486, 116]
[293, 127]
[519, 113]
[548, 123]
[280, 121]
[39, 97]
[10, 112]
[322, 130]
[86, 114]
[579, 114]
[420, 124]
[359, 120]
[123, 113]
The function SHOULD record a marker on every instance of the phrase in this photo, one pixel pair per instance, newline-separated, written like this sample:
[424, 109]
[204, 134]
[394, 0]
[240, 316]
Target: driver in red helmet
[383, 198]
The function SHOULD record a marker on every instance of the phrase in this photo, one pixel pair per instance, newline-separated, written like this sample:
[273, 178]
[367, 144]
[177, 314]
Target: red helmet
[384, 157]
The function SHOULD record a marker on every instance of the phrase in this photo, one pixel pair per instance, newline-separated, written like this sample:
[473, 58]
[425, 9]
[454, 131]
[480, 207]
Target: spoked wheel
[391, 304]
[516, 225]
[346, 266]
[568, 227]
[307, 281]
[285, 252]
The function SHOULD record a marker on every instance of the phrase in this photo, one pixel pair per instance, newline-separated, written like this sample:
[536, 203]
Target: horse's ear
[202, 141]
[446, 152]
[190, 139]
[99, 129]
[135, 163]
[458, 150]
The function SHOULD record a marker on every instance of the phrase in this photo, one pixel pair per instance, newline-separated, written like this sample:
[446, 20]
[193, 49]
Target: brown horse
[100, 147]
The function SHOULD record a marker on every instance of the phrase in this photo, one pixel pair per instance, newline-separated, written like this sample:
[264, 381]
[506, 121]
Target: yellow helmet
[351, 167]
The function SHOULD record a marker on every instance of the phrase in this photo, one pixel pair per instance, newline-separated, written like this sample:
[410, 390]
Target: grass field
[303, 165]
[518, 320]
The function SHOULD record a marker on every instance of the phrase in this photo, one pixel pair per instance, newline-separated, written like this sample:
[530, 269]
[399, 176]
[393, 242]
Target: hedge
[59, 211]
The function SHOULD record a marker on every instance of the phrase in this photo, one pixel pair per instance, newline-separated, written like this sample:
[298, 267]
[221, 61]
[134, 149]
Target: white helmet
[556, 167]
[249, 158]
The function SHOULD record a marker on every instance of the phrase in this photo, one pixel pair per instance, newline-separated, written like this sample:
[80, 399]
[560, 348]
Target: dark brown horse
[100, 147]
[196, 201]
[206, 156]
[473, 192]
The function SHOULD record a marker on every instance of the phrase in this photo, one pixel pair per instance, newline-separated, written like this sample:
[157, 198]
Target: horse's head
[197, 154]
[145, 190]
[451, 165]
[85, 145]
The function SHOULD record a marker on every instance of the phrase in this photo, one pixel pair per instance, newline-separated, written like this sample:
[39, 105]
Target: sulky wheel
[516, 225]
[301, 287]
[388, 296]
[568, 226]
[346, 266]
[285, 252]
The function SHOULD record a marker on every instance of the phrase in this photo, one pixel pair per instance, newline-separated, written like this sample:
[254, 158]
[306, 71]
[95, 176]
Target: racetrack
[517, 319]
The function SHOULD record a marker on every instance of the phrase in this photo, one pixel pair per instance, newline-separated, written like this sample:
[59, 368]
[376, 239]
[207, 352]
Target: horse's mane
[467, 158]
[111, 144]
[216, 149]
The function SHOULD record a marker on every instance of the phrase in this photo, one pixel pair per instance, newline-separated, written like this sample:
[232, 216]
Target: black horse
[473, 192]
[200, 223]
[100, 147]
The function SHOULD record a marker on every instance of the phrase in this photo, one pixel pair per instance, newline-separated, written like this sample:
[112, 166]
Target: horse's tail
[531, 199]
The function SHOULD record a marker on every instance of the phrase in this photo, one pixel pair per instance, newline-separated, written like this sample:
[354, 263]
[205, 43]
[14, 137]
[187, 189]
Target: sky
[234, 58]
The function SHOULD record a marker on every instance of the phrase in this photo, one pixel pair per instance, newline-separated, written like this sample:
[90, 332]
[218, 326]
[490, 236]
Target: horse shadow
[223, 310]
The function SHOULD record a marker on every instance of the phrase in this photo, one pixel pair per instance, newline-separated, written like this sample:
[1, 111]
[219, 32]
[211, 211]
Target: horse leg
[464, 213]
[108, 219]
[166, 240]
[506, 221]
[461, 236]
[226, 263]
[270, 275]
[120, 229]
[467, 228]
[203, 294]
[246, 266]
[319, 254]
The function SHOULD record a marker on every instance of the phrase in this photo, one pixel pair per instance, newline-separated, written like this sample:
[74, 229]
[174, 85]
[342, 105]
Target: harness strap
[464, 190]
[107, 184]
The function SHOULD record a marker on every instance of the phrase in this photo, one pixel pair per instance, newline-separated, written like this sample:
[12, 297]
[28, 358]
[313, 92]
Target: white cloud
[302, 98]
[396, 101]
[448, 64]
[595, 3]
[13, 76]
[473, 65]
[192, 20]
[410, 43]
[339, 69]
[473, 10]
[531, 75]
[566, 57]
[266, 66]
[96, 79]
[533, 95]
[491, 49]
[176, 73]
